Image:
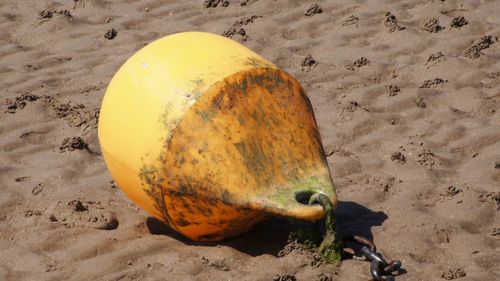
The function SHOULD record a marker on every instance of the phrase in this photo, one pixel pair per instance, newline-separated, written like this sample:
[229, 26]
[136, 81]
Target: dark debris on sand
[285, 277]
[391, 22]
[308, 62]
[313, 10]
[46, 14]
[215, 3]
[351, 20]
[495, 232]
[393, 90]
[217, 264]
[433, 83]
[432, 26]
[110, 34]
[362, 61]
[492, 198]
[74, 143]
[434, 57]
[475, 51]
[20, 102]
[247, 2]
[398, 157]
[454, 273]
[450, 191]
[427, 158]
[237, 28]
[458, 22]
[37, 189]
[78, 206]
[324, 277]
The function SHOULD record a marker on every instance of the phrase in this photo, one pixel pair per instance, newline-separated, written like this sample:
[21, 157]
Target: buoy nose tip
[303, 196]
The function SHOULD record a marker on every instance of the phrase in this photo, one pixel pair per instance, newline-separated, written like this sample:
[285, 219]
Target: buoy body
[210, 138]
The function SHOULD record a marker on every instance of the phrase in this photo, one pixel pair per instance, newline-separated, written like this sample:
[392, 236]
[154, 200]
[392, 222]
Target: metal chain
[379, 266]
[380, 269]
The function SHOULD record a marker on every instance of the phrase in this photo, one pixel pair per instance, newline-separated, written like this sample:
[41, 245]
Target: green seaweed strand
[331, 247]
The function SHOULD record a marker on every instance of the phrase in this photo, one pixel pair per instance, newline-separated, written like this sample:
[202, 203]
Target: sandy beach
[406, 95]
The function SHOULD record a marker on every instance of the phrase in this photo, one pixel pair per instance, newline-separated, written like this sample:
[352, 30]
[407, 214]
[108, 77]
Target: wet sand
[406, 94]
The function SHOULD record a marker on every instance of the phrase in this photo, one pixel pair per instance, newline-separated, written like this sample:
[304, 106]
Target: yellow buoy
[210, 138]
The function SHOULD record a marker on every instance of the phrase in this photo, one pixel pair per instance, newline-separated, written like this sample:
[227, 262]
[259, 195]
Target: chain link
[379, 266]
